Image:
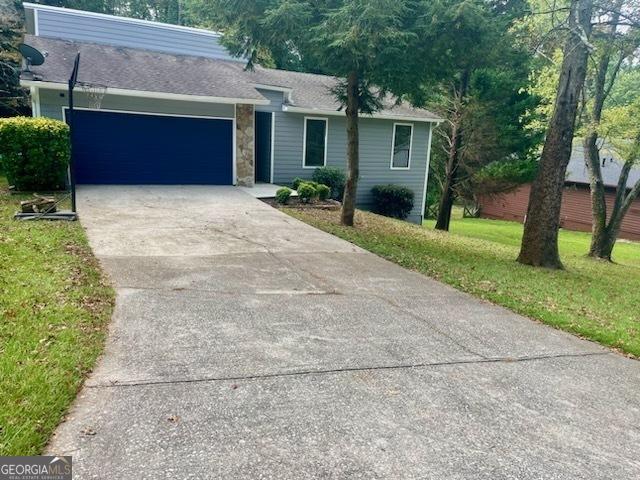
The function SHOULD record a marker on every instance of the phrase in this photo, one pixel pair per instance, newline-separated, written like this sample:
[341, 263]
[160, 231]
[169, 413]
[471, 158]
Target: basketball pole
[72, 174]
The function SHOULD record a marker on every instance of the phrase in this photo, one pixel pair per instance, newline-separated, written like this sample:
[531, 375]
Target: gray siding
[114, 31]
[375, 153]
[375, 140]
[276, 99]
[51, 104]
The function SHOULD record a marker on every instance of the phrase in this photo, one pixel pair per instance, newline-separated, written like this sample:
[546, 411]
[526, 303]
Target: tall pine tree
[359, 41]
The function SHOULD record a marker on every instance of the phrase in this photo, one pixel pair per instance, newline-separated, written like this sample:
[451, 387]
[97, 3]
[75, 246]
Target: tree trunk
[446, 204]
[604, 235]
[540, 239]
[601, 232]
[453, 158]
[592, 155]
[602, 246]
[596, 186]
[448, 196]
[353, 151]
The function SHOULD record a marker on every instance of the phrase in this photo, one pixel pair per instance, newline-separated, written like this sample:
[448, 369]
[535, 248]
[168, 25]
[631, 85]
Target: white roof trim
[156, 95]
[274, 88]
[341, 113]
[83, 13]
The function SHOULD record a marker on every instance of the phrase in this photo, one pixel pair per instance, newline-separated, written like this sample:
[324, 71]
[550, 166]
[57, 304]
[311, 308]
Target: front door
[263, 147]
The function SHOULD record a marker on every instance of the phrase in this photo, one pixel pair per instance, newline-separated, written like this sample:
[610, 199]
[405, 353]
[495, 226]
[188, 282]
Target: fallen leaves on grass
[55, 305]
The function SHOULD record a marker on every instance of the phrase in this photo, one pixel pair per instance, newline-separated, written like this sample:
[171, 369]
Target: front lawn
[594, 299]
[54, 309]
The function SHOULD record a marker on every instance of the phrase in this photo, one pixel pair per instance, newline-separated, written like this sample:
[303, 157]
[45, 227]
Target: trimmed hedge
[34, 153]
[392, 200]
[332, 177]
[323, 192]
[296, 182]
[307, 192]
[282, 195]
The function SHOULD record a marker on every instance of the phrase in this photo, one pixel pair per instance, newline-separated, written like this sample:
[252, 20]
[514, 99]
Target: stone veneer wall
[245, 168]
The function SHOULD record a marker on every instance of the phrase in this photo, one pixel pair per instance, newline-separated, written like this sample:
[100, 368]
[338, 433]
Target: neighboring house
[576, 198]
[179, 109]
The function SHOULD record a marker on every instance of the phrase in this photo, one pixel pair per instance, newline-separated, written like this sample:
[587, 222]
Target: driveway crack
[302, 373]
[431, 325]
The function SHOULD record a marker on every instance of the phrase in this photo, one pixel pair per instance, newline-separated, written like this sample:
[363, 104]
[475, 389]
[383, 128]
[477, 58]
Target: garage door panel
[138, 149]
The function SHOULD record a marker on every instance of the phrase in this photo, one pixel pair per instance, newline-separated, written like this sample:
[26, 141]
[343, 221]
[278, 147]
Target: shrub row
[332, 177]
[34, 152]
[389, 200]
[309, 190]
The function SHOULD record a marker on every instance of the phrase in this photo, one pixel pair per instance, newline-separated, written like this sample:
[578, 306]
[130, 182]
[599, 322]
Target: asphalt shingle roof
[611, 167]
[314, 92]
[144, 70]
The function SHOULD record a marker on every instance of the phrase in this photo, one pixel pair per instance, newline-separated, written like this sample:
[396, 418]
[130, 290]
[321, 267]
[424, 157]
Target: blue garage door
[136, 149]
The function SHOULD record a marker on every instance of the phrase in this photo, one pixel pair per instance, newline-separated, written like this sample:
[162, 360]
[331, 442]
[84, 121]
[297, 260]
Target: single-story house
[179, 109]
[576, 198]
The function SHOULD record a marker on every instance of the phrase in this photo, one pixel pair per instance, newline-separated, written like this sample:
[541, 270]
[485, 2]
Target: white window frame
[393, 145]
[304, 142]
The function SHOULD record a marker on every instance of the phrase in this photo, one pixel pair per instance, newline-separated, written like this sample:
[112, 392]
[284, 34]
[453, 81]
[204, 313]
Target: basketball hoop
[94, 92]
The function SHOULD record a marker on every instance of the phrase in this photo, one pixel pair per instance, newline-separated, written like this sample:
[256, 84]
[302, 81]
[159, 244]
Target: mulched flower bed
[294, 202]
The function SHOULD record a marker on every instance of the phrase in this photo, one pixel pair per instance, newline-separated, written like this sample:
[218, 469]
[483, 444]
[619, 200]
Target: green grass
[54, 309]
[590, 298]
[572, 244]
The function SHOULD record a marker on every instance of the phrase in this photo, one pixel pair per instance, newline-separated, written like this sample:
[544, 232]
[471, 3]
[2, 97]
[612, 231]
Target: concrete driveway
[247, 345]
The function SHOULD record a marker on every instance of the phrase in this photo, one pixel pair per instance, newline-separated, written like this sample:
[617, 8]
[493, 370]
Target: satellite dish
[32, 55]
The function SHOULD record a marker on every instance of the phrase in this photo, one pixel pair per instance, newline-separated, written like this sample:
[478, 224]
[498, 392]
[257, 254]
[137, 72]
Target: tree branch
[621, 190]
[616, 10]
[631, 196]
[614, 75]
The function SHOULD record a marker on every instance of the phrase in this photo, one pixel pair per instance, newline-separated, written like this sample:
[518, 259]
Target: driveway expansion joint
[263, 292]
[239, 254]
[303, 373]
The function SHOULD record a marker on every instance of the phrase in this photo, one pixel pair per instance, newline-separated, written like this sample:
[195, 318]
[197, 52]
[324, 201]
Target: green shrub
[332, 177]
[502, 176]
[307, 192]
[323, 192]
[282, 195]
[34, 152]
[392, 200]
[296, 182]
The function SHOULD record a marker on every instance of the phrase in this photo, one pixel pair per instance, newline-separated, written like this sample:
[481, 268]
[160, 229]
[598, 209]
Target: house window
[315, 142]
[401, 151]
